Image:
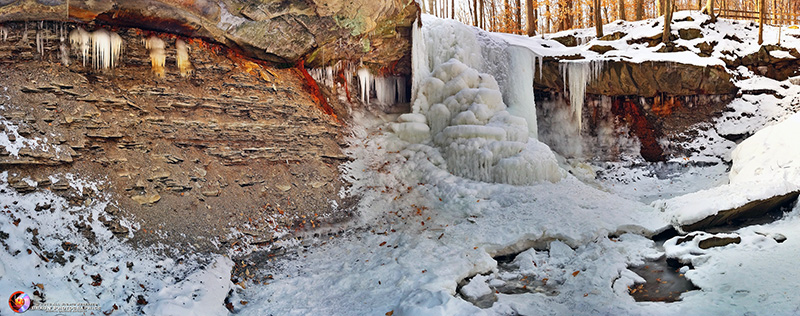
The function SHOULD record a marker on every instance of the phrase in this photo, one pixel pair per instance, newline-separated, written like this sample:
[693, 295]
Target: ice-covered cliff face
[473, 101]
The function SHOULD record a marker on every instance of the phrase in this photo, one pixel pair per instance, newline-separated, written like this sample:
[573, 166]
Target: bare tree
[475, 13]
[533, 19]
[668, 21]
[621, 4]
[709, 9]
[761, 15]
[482, 15]
[518, 16]
[639, 4]
[598, 20]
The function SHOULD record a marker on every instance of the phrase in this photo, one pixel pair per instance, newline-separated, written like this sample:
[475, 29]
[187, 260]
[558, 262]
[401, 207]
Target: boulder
[690, 34]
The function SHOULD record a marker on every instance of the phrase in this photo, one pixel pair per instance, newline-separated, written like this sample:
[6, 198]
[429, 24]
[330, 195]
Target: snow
[37, 233]
[476, 287]
[764, 165]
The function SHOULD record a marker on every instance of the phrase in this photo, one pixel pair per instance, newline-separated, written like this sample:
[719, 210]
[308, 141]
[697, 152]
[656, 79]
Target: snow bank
[764, 165]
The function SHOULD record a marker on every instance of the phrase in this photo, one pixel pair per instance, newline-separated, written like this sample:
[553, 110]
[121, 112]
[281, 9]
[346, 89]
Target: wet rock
[613, 36]
[601, 49]
[147, 199]
[690, 34]
[567, 40]
[716, 241]
[750, 210]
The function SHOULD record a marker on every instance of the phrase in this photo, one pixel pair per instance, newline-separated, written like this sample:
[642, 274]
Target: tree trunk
[532, 18]
[598, 20]
[565, 14]
[639, 4]
[661, 4]
[761, 15]
[482, 15]
[547, 10]
[518, 13]
[453, 9]
[622, 10]
[667, 21]
[492, 16]
[709, 9]
[475, 13]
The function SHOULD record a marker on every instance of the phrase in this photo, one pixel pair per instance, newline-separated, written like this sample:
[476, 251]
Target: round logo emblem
[19, 302]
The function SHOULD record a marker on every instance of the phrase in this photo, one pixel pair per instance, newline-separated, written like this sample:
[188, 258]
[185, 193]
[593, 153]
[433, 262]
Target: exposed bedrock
[648, 79]
[318, 32]
[626, 102]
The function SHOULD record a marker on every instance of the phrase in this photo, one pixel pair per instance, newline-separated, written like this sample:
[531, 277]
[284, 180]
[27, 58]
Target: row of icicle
[105, 49]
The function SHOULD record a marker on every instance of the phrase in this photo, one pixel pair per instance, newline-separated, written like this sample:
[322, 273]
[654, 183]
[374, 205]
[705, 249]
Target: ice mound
[462, 112]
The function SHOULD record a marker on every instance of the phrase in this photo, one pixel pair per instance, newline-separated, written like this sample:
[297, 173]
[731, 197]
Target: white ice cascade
[579, 73]
[462, 113]
[106, 47]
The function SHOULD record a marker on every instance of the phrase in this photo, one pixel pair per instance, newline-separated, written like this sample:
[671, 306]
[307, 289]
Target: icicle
[79, 39]
[541, 60]
[39, 42]
[24, 39]
[364, 78]
[106, 49]
[4, 33]
[182, 58]
[580, 73]
[157, 55]
[62, 46]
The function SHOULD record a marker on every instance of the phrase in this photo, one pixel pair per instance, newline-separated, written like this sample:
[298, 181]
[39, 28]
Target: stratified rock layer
[285, 31]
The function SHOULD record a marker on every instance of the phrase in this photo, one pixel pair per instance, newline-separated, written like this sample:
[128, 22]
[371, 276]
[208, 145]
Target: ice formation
[463, 113]
[40, 40]
[158, 56]
[364, 81]
[578, 73]
[4, 33]
[388, 89]
[63, 50]
[80, 41]
[106, 49]
[327, 75]
[182, 58]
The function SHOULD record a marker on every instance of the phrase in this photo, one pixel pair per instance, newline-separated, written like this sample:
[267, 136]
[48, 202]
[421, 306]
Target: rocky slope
[236, 149]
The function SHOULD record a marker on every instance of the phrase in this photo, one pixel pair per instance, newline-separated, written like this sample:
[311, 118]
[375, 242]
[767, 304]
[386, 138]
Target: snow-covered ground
[448, 189]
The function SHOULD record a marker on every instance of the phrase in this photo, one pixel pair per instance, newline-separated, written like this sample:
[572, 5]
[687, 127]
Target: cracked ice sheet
[416, 270]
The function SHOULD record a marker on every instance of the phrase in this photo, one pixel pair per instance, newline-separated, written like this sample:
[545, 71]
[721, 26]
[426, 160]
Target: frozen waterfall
[473, 101]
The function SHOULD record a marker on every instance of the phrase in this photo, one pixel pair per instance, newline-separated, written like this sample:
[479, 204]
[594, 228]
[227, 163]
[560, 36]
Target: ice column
[182, 58]
[519, 90]
[365, 79]
[157, 54]
[578, 74]
[80, 41]
[106, 49]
